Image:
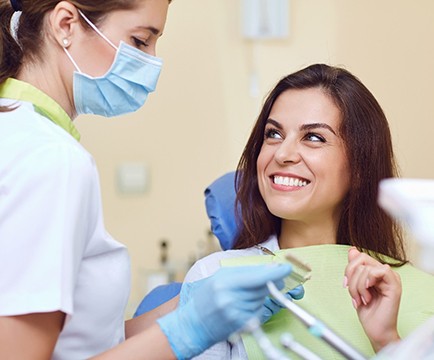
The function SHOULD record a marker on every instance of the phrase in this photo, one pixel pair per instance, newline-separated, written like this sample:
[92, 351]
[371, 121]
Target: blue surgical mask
[123, 89]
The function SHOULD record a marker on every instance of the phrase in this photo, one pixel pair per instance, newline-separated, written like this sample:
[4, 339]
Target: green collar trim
[19, 90]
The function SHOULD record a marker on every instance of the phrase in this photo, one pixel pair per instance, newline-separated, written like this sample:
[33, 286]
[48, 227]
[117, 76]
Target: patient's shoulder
[208, 265]
[211, 263]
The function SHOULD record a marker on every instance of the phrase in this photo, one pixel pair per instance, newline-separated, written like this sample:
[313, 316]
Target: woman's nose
[151, 50]
[288, 152]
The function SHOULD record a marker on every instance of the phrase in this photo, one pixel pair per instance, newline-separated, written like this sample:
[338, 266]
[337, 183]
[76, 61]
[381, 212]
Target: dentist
[64, 280]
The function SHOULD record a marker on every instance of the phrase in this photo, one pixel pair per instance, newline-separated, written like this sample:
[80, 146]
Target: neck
[296, 233]
[47, 77]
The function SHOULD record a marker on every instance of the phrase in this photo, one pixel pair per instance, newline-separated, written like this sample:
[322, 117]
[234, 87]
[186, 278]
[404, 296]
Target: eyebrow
[152, 29]
[303, 127]
[317, 126]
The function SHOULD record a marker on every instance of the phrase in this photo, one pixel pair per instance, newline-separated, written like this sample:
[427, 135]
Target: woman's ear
[64, 22]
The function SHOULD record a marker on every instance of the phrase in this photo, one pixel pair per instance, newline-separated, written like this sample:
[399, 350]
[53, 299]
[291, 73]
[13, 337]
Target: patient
[308, 181]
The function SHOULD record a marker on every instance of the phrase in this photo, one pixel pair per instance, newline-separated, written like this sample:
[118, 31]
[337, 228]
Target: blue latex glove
[271, 306]
[219, 306]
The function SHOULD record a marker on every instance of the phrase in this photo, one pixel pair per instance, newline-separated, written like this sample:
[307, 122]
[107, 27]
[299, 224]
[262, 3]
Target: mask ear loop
[65, 41]
[72, 60]
[97, 30]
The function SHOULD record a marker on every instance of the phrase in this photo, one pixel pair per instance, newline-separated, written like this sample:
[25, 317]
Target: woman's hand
[375, 290]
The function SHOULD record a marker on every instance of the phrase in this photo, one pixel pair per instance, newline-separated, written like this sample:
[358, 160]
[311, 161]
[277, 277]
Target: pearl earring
[65, 42]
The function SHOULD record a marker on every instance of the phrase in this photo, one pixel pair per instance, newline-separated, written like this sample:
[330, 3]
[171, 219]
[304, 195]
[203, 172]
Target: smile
[289, 181]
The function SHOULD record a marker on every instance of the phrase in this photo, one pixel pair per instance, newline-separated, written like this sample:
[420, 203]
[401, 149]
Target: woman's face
[302, 168]
[140, 27]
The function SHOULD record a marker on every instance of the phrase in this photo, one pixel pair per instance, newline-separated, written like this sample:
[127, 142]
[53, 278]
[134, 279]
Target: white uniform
[55, 254]
[206, 267]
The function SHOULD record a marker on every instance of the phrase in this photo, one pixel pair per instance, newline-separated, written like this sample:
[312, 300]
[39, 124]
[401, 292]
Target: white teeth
[289, 181]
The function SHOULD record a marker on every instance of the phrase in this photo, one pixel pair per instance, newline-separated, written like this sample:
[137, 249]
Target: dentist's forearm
[148, 344]
[140, 323]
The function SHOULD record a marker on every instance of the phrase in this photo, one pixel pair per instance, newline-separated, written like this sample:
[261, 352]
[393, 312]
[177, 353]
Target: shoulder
[411, 275]
[54, 162]
[34, 144]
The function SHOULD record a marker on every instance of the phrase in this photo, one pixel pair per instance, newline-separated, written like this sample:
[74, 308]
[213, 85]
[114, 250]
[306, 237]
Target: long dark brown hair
[365, 132]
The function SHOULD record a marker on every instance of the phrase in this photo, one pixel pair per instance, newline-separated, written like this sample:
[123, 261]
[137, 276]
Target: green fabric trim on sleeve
[19, 90]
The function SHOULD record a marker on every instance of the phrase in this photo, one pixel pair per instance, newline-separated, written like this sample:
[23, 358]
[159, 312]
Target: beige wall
[194, 128]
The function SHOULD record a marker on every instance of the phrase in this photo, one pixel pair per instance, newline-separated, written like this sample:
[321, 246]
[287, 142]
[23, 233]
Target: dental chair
[220, 208]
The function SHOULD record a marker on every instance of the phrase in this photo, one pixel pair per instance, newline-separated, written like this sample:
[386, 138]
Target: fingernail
[354, 303]
[363, 300]
[345, 284]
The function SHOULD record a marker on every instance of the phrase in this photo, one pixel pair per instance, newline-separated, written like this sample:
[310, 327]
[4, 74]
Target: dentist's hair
[366, 135]
[31, 33]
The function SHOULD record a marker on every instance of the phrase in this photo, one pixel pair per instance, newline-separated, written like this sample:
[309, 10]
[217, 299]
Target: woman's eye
[315, 138]
[272, 134]
[139, 43]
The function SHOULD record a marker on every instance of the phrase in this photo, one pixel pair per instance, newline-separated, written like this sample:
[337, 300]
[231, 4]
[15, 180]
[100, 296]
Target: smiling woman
[308, 179]
[302, 145]
[353, 155]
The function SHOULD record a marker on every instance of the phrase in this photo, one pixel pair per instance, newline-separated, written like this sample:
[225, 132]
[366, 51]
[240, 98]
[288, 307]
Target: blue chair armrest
[158, 296]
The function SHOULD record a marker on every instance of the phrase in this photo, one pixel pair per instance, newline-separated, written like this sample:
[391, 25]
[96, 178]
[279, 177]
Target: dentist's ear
[64, 23]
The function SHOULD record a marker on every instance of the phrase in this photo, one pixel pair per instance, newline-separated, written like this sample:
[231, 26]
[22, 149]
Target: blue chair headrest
[220, 208]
